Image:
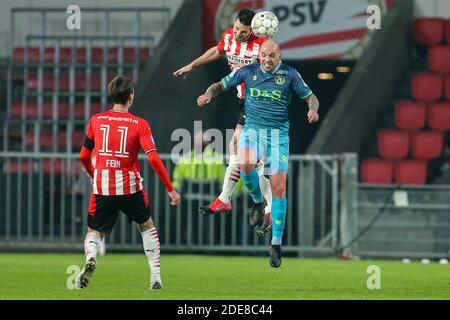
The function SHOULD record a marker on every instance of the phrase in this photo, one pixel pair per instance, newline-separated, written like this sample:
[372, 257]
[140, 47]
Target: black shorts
[241, 120]
[103, 210]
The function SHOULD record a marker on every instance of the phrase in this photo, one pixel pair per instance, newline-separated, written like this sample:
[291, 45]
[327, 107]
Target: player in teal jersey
[269, 86]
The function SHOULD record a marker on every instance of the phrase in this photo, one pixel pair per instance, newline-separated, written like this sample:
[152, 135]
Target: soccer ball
[265, 24]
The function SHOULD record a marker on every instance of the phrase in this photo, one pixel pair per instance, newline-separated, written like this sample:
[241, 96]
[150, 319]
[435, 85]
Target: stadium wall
[370, 87]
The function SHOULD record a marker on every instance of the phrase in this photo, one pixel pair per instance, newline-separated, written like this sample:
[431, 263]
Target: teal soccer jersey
[268, 95]
[267, 100]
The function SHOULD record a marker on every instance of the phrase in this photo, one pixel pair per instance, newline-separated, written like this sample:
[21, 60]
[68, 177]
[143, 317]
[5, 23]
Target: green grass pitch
[185, 277]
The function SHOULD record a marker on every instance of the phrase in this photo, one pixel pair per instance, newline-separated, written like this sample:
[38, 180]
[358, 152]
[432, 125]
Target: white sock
[90, 245]
[150, 240]
[232, 175]
[264, 184]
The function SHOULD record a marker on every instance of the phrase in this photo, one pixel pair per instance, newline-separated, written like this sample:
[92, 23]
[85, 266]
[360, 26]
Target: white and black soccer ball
[265, 24]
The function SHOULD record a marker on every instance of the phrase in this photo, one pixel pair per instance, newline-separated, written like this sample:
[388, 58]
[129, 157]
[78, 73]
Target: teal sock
[278, 219]
[251, 181]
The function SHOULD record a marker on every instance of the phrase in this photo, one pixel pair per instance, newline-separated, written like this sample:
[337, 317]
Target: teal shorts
[269, 146]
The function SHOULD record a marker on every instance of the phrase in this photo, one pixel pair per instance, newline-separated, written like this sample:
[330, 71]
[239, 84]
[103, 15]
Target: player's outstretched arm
[313, 105]
[160, 170]
[210, 55]
[211, 92]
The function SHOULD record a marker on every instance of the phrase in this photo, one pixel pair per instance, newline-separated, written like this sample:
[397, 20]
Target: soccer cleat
[85, 275]
[155, 282]
[256, 213]
[275, 256]
[266, 225]
[215, 207]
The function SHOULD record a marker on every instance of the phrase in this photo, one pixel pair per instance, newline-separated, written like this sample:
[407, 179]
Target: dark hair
[119, 89]
[245, 16]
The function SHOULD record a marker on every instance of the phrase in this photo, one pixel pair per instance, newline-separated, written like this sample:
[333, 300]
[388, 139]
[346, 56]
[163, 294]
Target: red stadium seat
[439, 115]
[393, 144]
[144, 54]
[45, 140]
[439, 58]
[77, 139]
[377, 171]
[447, 30]
[129, 54]
[65, 54]
[428, 31]
[427, 86]
[97, 54]
[19, 54]
[447, 87]
[79, 110]
[427, 144]
[411, 172]
[22, 166]
[410, 115]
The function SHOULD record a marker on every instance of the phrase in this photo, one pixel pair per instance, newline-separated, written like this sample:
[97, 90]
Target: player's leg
[222, 204]
[102, 217]
[248, 158]
[266, 225]
[136, 208]
[279, 167]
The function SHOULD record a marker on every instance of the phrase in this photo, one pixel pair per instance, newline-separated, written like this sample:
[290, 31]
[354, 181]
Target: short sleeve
[299, 85]
[235, 78]
[146, 138]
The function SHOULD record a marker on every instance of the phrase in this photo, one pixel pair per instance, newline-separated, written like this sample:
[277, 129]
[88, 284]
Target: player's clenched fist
[313, 116]
[174, 197]
[202, 100]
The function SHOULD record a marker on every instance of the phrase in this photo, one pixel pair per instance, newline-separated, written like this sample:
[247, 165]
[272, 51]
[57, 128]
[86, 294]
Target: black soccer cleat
[256, 214]
[275, 256]
[266, 225]
[85, 275]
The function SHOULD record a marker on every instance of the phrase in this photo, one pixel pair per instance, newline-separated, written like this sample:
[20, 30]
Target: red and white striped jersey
[240, 53]
[117, 137]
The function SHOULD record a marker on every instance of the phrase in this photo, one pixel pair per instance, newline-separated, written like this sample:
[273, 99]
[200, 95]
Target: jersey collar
[268, 73]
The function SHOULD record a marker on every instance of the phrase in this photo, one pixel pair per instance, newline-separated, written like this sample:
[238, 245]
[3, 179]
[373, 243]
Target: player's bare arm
[211, 92]
[210, 55]
[313, 105]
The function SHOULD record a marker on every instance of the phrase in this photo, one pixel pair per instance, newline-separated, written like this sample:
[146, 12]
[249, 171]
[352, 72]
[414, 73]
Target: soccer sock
[251, 181]
[90, 245]
[278, 219]
[150, 240]
[230, 180]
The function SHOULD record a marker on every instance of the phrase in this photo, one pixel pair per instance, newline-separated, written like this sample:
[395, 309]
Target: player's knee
[279, 191]
[246, 168]
[147, 225]
[98, 233]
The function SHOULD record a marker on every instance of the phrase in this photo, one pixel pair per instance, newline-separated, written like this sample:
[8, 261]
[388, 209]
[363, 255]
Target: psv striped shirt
[240, 53]
[115, 138]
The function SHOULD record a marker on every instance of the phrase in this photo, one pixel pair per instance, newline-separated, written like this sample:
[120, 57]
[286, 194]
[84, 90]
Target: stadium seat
[77, 139]
[410, 115]
[65, 54]
[427, 144]
[439, 58]
[377, 171]
[79, 110]
[22, 166]
[428, 31]
[427, 86]
[56, 166]
[439, 116]
[447, 87]
[96, 55]
[128, 54]
[411, 172]
[393, 144]
[19, 54]
[45, 140]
